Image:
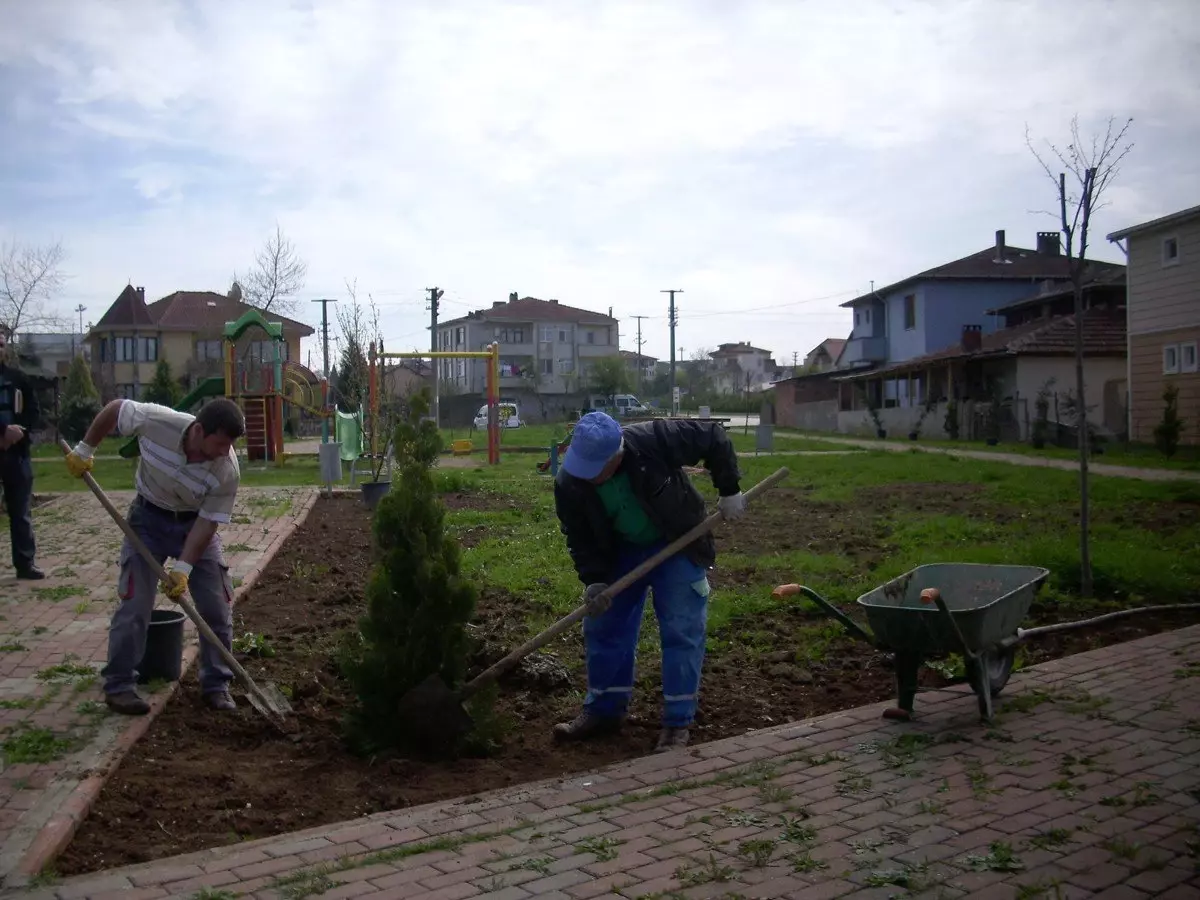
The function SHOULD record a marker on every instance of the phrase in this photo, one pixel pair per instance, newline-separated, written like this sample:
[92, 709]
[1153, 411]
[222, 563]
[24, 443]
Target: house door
[1116, 399]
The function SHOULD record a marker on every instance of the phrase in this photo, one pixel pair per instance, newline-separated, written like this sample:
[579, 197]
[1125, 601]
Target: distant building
[544, 344]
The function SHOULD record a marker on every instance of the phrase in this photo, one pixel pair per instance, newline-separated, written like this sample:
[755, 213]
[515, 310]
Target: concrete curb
[56, 834]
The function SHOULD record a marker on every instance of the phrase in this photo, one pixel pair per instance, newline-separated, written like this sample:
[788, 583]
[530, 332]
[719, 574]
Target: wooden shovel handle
[160, 573]
[540, 640]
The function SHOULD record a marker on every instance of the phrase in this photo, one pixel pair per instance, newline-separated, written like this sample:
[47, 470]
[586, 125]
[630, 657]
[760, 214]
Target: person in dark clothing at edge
[621, 496]
[18, 418]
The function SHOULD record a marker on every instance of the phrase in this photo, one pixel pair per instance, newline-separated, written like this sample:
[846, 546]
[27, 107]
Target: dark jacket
[655, 454]
[12, 380]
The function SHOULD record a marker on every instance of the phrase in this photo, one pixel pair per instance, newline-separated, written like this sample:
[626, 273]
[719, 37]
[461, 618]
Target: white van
[624, 405]
[509, 416]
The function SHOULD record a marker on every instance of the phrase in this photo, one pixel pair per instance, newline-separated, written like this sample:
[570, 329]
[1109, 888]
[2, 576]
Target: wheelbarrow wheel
[997, 667]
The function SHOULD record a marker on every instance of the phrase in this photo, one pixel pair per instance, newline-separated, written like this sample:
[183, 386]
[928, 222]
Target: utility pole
[672, 319]
[639, 354]
[434, 296]
[79, 309]
[325, 349]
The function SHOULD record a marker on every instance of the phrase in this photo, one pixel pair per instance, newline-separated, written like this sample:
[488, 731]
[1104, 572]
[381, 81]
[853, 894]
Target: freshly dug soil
[200, 779]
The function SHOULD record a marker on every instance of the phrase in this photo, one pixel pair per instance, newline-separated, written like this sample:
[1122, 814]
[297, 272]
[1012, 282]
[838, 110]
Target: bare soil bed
[199, 779]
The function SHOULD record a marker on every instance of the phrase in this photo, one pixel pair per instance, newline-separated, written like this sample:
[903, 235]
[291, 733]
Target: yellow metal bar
[440, 354]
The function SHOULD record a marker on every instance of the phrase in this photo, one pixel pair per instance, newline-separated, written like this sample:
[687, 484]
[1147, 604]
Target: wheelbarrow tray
[988, 603]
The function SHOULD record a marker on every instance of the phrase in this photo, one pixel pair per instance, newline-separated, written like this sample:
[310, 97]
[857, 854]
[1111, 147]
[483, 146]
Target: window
[1187, 357]
[208, 350]
[867, 316]
[460, 336]
[566, 366]
[591, 337]
[910, 312]
[856, 317]
[563, 335]
[127, 391]
[1170, 353]
[149, 349]
[125, 350]
[547, 367]
[548, 334]
[1170, 251]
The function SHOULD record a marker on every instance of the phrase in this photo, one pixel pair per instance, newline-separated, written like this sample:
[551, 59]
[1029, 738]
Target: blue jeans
[209, 584]
[681, 604]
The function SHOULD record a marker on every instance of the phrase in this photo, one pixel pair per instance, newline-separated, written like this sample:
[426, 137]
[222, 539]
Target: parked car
[510, 416]
[623, 406]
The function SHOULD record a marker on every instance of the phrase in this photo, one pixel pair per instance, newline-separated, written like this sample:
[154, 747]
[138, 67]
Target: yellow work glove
[79, 460]
[175, 580]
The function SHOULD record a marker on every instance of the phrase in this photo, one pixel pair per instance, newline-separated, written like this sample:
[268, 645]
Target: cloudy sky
[769, 158]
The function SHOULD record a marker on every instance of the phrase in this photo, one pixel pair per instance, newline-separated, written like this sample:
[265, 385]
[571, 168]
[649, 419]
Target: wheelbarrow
[933, 610]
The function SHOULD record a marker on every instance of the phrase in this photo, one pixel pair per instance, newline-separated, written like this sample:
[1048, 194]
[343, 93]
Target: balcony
[865, 350]
[595, 351]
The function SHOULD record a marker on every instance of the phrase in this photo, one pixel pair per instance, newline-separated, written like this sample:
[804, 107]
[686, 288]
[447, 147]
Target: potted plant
[378, 487]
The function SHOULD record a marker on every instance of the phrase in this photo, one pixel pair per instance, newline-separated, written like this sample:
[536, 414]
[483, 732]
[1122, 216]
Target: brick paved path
[1085, 785]
[53, 641]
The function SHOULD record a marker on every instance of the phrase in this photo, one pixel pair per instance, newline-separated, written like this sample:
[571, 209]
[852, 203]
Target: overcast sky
[769, 158]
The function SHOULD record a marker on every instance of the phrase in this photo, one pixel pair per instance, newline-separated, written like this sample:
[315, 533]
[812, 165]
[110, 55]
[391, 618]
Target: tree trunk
[1085, 557]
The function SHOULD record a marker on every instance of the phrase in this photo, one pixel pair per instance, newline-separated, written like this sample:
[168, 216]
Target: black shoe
[31, 573]
[672, 739]
[587, 725]
[220, 700]
[127, 703]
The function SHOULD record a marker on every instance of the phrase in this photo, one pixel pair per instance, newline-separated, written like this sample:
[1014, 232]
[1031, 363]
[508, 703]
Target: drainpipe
[1128, 346]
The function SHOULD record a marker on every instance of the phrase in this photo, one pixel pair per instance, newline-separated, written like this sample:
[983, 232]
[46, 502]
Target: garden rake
[266, 698]
[437, 713]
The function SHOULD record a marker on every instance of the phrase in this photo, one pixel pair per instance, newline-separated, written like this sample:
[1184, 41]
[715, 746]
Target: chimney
[1000, 245]
[555, 302]
[141, 292]
[512, 297]
[1049, 243]
[972, 338]
[497, 304]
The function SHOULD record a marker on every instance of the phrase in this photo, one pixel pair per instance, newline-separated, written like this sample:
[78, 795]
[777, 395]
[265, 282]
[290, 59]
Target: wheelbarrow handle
[848, 623]
[624, 582]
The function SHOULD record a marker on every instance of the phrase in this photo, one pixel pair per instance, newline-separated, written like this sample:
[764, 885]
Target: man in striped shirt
[187, 481]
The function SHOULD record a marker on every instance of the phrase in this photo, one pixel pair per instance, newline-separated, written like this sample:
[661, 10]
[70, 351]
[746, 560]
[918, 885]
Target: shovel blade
[434, 714]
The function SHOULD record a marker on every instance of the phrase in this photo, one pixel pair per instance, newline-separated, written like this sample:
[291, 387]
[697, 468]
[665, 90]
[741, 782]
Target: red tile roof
[204, 311]
[531, 309]
[128, 310]
[1103, 335]
[633, 356]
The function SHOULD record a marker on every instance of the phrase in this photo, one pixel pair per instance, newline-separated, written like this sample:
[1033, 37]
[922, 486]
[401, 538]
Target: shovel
[266, 698]
[436, 711]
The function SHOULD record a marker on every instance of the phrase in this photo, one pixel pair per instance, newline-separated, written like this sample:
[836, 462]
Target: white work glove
[79, 460]
[595, 599]
[732, 507]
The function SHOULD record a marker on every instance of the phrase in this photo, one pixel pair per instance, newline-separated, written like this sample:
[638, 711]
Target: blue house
[928, 312]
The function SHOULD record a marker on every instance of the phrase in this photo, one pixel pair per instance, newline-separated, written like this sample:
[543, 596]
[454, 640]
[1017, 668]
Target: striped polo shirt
[164, 475]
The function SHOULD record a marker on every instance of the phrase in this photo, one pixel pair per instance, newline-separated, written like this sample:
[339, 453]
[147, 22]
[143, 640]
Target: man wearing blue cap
[621, 496]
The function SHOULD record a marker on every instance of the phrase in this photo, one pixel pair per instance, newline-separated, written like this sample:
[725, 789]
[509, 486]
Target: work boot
[671, 739]
[127, 703]
[587, 725]
[220, 700]
[30, 573]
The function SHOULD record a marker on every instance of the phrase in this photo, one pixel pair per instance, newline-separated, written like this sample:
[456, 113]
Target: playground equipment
[376, 356]
[262, 402]
[549, 466]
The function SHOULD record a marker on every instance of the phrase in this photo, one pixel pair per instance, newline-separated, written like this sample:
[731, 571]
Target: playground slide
[209, 387]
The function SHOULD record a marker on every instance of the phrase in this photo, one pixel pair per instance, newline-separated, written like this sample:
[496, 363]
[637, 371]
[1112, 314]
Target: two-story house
[1163, 288]
[544, 345]
[740, 367]
[824, 356]
[184, 328]
[641, 366]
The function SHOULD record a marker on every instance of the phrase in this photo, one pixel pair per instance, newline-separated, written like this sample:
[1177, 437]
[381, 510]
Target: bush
[1168, 431]
[163, 389]
[418, 603]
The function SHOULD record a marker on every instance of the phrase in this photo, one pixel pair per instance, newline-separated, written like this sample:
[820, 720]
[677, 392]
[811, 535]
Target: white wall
[1033, 371]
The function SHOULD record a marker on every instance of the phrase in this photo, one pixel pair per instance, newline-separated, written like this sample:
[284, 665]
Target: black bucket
[163, 658]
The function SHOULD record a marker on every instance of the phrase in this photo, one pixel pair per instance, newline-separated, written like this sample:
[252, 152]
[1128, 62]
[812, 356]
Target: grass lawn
[845, 524]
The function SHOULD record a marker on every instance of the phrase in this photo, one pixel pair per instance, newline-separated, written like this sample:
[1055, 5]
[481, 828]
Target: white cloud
[754, 154]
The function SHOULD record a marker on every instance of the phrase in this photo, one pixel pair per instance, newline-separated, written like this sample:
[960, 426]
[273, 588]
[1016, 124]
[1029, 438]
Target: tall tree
[1086, 169]
[163, 389]
[277, 275]
[609, 376]
[30, 276]
[80, 401]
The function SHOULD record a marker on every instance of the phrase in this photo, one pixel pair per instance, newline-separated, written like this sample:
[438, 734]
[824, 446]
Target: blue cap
[596, 440]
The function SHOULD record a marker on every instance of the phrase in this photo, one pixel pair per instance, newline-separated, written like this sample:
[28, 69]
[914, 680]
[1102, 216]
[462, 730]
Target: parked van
[624, 405]
[510, 417]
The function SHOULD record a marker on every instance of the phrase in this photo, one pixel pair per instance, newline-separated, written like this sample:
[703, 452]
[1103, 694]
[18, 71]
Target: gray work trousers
[209, 584]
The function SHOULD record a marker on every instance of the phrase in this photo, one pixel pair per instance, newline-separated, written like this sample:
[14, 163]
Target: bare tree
[277, 275]
[359, 326]
[29, 278]
[1091, 167]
